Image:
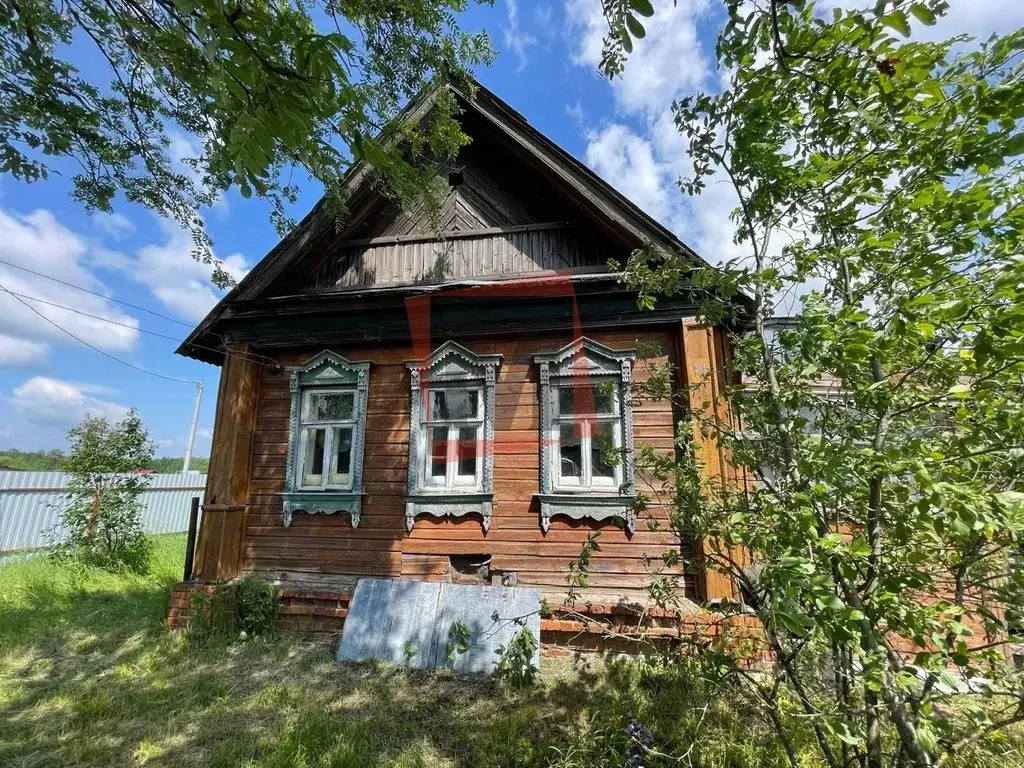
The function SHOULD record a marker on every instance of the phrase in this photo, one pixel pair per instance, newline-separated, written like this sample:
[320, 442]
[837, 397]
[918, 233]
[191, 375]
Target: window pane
[570, 450]
[438, 451]
[453, 403]
[566, 397]
[604, 394]
[342, 455]
[331, 406]
[467, 451]
[313, 469]
[592, 398]
[602, 447]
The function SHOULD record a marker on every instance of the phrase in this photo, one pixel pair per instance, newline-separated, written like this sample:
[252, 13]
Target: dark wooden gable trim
[572, 177]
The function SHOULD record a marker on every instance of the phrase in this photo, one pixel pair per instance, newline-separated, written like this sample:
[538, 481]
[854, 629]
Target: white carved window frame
[584, 364]
[451, 366]
[325, 373]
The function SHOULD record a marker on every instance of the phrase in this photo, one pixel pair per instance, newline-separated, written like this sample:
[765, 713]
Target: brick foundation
[180, 613]
[321, 613]
[316, 613]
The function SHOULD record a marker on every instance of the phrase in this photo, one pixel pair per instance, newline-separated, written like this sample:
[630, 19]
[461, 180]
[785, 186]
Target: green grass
[89, 676]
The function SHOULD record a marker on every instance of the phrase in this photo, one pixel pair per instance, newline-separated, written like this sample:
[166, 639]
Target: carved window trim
[451, 364]
[326, 372]
[582, 363]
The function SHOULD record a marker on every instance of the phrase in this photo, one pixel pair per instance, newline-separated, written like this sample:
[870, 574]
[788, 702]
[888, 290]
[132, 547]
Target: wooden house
[420, 400]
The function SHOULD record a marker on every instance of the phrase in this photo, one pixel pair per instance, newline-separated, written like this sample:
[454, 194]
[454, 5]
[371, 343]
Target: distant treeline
[53, 460]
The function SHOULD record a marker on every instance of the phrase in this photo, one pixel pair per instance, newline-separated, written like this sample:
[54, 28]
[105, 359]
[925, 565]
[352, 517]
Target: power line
[87, 314]
[242, 356]
[90, 346]
[94, 293]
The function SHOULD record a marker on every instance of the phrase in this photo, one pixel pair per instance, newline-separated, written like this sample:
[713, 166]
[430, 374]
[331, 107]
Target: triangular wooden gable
[524, 207]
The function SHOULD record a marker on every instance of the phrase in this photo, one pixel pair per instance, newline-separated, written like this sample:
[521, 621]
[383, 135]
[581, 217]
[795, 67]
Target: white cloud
[543, 17]
[516, 38]
[116, 225]
[175, 446]
[577, 113]
[39, 242]
[626, 160]
[180, 282]
[643, 155]
[21, 352]
[978, 18]
[665, 64]
[55, 403]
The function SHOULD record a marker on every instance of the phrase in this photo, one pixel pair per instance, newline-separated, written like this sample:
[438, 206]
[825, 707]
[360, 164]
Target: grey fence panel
[31, 503]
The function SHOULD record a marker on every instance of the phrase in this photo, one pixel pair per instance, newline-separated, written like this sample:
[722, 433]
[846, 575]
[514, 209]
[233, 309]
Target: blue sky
[547, 70]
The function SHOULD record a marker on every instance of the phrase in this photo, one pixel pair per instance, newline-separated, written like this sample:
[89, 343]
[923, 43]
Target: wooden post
[190, 541]
[703, 354]
[219, 553]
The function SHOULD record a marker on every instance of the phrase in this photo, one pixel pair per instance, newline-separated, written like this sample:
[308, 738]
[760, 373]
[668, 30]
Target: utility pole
[192, 429]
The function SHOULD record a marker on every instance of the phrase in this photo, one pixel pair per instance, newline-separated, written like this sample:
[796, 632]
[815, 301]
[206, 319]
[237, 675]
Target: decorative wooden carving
[585, 357]
[327, 369]
[580, 507]
[450, 363]
[451, 505]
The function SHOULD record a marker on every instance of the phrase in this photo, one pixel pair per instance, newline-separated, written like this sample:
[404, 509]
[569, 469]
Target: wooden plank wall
[220, 541]
[705, 351]
[317, 548]
[426, 260]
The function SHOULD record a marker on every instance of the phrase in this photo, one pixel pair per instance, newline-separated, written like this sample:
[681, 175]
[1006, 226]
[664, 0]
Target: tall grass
[89, 677]
[38, 595]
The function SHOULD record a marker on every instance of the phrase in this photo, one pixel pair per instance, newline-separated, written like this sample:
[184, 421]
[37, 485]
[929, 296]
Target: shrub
[102, 523]
[238, 609]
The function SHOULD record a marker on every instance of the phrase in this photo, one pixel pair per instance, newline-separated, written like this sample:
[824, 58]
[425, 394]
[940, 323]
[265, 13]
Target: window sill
[447, 503]
[589, 505]
[322, 503]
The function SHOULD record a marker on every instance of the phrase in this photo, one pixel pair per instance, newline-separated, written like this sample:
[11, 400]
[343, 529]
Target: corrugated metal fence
[31, 502]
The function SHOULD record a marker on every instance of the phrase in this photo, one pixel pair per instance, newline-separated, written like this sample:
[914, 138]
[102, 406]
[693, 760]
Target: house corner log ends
[220, 547]
[704, 353]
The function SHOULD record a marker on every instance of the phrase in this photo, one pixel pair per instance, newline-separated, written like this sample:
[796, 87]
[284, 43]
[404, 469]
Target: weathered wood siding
[425, 260]
[317, 548]
[501, 220]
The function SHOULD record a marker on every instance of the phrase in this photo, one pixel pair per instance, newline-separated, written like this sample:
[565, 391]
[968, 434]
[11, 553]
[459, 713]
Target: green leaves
[1015, 145]
[635, 27]
[643, 7]
[923, 13]
[879, 179]
[897, 20]
[102, 522]
[255, 90]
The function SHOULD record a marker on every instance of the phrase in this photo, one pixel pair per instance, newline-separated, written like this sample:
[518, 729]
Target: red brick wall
[315, 613]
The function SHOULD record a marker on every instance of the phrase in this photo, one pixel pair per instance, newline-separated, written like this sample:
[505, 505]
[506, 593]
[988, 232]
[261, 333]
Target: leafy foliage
[259, 88]
[459, 638]
[32, 461]
[103, 519]
[878, 179]
[172, 464]
[238, 609]
[53, 461]
[516, 667]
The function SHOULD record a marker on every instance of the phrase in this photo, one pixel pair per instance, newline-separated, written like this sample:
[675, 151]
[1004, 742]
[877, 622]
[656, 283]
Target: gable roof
[574, 179]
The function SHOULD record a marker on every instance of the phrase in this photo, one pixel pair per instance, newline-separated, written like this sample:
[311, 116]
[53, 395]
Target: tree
[881, 432]
[31, 461]
[263, 88]
[102, 523]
